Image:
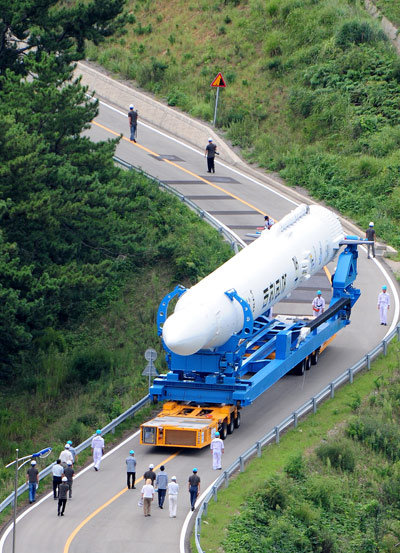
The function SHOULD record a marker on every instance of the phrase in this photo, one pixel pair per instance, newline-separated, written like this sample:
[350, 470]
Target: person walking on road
[131, 470]
[150, 474]
[318, 304]
[383, 304]
[173, 489]
[147, 497]
[268, 222]
[211, 152]
[217, 449]
[69, 473]
[62, 498]
[66, 456]
[133, 117]
[32, 479]
[161, 486]
[97, 449]
[194, 488]
[371, 236]
[58, 473]
[73, 452]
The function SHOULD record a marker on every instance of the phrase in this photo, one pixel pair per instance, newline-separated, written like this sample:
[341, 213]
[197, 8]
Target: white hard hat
[210, 140]
[64, 479]
[173, 477]
[151, 466]
[131, 106]
[69, 462]
[33, 462]
[67, 446]
[371, 224]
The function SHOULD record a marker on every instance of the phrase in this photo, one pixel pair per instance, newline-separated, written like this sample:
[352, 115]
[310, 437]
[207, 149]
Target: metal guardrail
[110, 427]
[292, 419]
[235, 241]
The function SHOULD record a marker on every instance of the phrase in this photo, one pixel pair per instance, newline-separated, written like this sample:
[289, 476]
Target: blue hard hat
[384, 287]
[98, 431]
[319, 292]
[195, 470]
[69, 442]
[131, 452]
[217, 434]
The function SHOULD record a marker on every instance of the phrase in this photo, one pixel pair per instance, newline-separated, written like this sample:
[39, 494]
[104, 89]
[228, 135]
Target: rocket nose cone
[185, 334]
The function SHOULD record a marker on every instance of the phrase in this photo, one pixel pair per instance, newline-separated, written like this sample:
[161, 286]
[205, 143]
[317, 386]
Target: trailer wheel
[315, 357]
[308, 363]
[223, 430]
[236, 421]
[231, 425]
[300, 368]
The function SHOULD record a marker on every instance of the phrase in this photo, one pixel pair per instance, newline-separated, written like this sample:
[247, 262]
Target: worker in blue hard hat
[383, 304]
[97, 449]
[217, 449]
[131, 470]
[318, 304]
[73, 452]
[194, 488]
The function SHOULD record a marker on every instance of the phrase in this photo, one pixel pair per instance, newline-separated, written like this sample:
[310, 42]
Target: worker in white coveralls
[383, 304]
[318, 304]
[97, 449]
[217, 449]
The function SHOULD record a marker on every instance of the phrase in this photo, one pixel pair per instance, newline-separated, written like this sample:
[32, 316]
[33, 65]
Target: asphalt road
[103, 515]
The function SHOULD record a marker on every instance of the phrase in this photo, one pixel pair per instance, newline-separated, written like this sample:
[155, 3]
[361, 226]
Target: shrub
[296, 467]
[339, 455]
[275, 495]
[354, 32]
[90, 365]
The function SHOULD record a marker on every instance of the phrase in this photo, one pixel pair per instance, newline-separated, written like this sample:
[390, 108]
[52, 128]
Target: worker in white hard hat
[150, 474]
[66, 456]
[318, 304]
[62, 498]
[173, 489]
[383, 304]
[32, 479]
[217, 449]
[132, 117]
[371, 236]
[211, 152]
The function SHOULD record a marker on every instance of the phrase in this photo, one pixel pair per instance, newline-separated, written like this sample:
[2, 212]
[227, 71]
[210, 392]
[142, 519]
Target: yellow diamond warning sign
[218, 81]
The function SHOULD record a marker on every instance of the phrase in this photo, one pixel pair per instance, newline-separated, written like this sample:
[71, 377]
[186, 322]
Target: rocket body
[263, 273]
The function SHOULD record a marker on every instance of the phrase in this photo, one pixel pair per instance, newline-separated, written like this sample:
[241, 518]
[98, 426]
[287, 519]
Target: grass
[313, 90]
[391, 9]
[331, 416]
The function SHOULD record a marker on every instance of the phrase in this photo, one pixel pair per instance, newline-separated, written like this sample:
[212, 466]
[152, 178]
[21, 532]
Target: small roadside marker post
[150, 370]
[217, 83]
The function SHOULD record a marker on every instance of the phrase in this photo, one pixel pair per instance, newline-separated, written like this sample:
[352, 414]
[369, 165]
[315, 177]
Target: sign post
[217, 83]
[150, 370]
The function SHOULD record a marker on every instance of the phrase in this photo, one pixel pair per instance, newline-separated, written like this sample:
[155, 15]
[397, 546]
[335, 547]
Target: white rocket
[263, 273]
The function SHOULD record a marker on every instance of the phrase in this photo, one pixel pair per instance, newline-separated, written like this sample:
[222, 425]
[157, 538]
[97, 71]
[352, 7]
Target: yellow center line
[106, 504]
[251, 206]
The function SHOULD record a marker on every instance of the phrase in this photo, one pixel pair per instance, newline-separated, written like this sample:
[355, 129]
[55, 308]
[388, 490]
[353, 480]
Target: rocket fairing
[263, 273]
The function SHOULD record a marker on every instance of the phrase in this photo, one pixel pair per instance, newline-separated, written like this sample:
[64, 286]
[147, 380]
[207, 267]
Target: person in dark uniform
[133, 116]
[194, 488]
[371, 236]
[62, 498]
[211, 151]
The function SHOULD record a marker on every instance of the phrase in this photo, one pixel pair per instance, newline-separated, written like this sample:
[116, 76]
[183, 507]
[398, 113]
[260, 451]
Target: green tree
[29, 28]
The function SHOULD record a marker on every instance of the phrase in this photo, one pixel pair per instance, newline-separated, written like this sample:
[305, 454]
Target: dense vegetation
[313, 89]
[390, 9]
[342, 496]
[86, 250]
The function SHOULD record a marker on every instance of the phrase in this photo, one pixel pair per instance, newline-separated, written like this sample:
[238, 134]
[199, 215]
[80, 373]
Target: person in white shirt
[318, 304]
[217, 449]
[97, 449]
[173, 489]
[383, 305]
[66, 456]
[147, 497]
[58, 473]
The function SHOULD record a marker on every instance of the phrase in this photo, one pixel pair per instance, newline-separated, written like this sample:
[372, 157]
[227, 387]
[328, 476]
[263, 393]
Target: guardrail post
[295, 419]
[351, 376]
[215, 493]
[226, 476]
[258, 449]
[277, 434]
[241, 460]
[332, 386]
[368, 361]
[113, 430]
[385, 347]
[398, 331]
[314, 405]
[205, 507]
